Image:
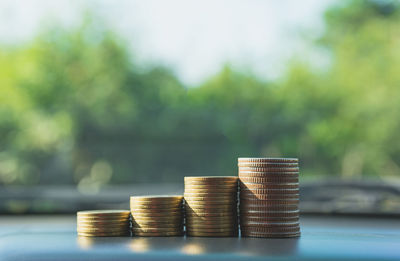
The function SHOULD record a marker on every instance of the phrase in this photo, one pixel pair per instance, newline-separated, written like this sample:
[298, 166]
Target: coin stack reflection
[103, 223]
[157, 215]
[211, 206]
[269, 197]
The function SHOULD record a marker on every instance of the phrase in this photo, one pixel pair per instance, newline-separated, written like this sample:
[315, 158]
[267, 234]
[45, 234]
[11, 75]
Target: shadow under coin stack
[157, 216]
[103, 223]
[269, 197]
[211, 206]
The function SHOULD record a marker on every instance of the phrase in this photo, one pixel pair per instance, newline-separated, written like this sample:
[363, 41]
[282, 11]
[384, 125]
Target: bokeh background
[98, 95]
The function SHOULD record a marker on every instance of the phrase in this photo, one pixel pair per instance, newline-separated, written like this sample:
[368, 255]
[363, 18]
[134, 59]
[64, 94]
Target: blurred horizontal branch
[325, 197]
[76, 109]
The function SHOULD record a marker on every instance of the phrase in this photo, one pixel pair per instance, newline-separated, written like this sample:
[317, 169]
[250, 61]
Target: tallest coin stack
[269, 197]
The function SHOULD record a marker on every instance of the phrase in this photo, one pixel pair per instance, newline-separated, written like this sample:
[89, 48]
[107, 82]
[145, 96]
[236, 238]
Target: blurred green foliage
[75, 108]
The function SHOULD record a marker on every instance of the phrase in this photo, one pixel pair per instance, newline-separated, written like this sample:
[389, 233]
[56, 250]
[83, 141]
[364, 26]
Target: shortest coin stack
[157, 216]
[269, 197]
[211, 206]
[103, 223]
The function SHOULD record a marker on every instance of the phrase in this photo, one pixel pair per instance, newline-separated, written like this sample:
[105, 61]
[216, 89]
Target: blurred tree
[76, 109]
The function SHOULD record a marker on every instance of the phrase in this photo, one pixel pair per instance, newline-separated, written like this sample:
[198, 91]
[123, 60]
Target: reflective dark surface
[334, 238]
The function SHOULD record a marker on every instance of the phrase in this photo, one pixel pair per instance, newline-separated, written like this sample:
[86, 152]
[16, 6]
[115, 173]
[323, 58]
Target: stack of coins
[211, 206]
[157, 215]
[103, 223]
[269, 197]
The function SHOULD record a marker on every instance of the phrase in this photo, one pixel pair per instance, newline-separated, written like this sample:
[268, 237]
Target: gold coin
[156, 211]
[158, 224]
[269, 224]
[248, 195]
[157, 219]
[105, 220]
[271, 202]
[222, 223]
[207, 208]
[205, 192]
[262, 209]
[212, 230]
[103, 213]
[252, 186]
[91, 225]
[215, 211]
[154, 225]
[151, 206]
[272, 190]
[211, 234]
[268, 180]
[157, 229]
[215, 222]
[268, 165]
[270, 235]
[272, 169]
[263, 199]
[201, 201]
[165, 225]
[102, 221]
[138, 215]
[210, 224]
[86, 230]
[250, 219]
[104, 233]
[226, 209]
[271, 214]
[160, 221]
[214, 187]
[265, 213]
[229, 227]
[210, 208]
[259, 229]
[211, 219]
[151, 210]
[209, 200]
[210, 213]
[157, 216]
[267, 175]
[210, 196]
[278, 160]
[160, 210]
[159, 234]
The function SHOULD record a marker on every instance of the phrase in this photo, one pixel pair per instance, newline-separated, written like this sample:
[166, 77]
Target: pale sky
[194, 38]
